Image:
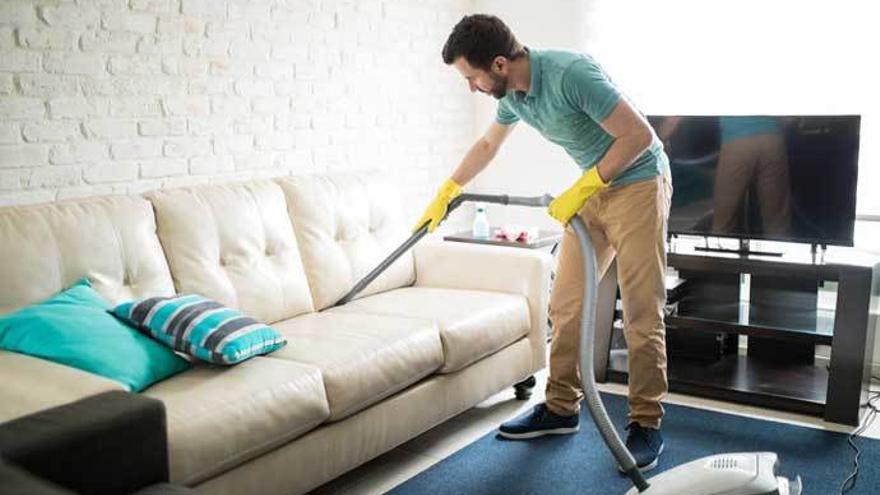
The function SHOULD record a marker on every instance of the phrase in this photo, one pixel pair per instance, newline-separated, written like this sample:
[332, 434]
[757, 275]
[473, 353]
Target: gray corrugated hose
[588, 376]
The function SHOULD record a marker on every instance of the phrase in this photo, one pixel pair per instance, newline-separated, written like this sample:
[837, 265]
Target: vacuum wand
[502, 199]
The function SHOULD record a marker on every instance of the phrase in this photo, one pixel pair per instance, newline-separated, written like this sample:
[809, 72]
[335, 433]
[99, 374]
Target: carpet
[581, 463]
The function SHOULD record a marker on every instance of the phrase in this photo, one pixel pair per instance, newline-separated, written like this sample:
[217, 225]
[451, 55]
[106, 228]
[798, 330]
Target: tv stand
[743, 250]
[724, 301]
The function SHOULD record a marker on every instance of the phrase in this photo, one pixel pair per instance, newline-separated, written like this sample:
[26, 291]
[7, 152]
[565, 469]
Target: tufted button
[223, 261]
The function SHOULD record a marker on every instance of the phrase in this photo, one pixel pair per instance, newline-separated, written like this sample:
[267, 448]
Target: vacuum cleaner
[748, 473]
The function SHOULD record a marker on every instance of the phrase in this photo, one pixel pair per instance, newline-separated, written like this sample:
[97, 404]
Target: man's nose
[472, 86]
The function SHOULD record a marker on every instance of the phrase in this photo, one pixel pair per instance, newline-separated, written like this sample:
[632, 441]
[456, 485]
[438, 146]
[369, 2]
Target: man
[623, 196]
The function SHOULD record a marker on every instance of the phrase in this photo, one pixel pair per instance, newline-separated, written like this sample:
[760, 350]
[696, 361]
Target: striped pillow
[201, 328]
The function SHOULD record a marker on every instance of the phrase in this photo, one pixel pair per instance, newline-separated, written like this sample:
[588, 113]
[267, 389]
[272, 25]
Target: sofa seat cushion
[39, 384]
[219, 417]
[473, 323]
[362, 357]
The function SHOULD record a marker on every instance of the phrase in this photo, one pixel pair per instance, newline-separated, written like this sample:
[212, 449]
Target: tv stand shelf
[781, 322]
[815, 326]
[740, 379]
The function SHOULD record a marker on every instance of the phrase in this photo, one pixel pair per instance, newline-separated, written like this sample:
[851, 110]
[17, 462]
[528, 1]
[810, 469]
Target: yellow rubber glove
[573, 199]
[436, 210]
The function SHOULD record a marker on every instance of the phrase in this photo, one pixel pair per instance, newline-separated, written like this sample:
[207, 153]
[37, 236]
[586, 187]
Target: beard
[499, 86]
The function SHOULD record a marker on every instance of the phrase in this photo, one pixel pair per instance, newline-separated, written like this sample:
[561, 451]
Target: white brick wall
[124, 96]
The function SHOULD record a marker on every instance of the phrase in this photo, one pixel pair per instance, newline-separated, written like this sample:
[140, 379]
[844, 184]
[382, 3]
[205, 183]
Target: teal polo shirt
[568, 97]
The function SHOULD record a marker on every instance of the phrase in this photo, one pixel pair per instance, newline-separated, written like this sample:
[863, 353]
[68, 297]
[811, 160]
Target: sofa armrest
[114, 442]
[457, 265]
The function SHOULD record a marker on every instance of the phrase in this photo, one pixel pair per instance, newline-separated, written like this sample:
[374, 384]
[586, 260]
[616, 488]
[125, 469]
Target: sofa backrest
[345, 225]
[234, 243]
[111, 240]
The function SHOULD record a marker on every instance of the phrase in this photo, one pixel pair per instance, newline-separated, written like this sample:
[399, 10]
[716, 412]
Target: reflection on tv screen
[787, 178]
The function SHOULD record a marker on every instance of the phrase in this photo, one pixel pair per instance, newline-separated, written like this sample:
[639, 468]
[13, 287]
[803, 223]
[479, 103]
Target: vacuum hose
[588, 375]
[588, 318]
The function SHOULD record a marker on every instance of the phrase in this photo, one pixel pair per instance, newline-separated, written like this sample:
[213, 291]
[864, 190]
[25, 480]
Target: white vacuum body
[752, 473]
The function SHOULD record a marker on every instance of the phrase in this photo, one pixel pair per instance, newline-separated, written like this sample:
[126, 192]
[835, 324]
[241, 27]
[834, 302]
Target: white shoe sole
[651, 466]
[539, 433]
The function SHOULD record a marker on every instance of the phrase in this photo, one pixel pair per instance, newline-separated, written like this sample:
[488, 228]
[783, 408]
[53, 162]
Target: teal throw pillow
[75, 328]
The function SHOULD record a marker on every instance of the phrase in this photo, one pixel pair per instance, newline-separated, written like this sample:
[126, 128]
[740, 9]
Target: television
[782, 178]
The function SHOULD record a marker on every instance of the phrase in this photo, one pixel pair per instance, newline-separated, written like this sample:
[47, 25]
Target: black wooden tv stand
[778, 314]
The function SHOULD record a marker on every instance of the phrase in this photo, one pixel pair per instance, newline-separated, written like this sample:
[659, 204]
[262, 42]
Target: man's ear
[499, 65]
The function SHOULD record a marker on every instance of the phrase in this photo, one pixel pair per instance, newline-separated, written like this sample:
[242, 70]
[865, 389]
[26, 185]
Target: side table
[546, 239]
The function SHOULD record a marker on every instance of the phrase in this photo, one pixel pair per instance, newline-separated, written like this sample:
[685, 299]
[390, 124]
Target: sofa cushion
[345, 225]
[111, 240]
[219, 417]
[41, 384]
[74, 328]
[363, 358]
[201, 328]
[473, 323]
[234, 243]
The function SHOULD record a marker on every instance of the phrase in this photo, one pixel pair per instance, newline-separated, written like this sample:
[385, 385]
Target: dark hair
[479, 38]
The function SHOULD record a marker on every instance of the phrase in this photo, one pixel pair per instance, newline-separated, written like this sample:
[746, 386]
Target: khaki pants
[629, 222]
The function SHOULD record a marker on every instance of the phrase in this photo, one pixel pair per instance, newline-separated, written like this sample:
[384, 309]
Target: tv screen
[787, 178]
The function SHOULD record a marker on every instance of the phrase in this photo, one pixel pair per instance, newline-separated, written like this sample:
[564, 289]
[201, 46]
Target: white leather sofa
[448, 325]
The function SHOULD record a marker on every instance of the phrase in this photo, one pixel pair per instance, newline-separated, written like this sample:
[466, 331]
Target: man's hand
[573, 199]
[436, 210]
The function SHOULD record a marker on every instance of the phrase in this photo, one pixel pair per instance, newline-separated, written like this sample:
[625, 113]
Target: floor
[387, 471]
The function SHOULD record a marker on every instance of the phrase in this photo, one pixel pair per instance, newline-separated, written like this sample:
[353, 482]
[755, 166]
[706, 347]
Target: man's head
[481, 47]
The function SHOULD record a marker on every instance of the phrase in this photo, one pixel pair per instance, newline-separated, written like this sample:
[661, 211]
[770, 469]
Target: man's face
[492, 82]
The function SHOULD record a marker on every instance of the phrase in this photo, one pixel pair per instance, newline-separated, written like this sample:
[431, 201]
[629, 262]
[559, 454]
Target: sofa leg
[524, 388]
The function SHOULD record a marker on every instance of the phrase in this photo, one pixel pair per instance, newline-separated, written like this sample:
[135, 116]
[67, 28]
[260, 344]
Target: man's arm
[481, 153]
[632, 136]
[476, 159]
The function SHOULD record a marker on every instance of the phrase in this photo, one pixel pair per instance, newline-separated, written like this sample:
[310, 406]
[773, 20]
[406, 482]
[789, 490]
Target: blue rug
[581, 464]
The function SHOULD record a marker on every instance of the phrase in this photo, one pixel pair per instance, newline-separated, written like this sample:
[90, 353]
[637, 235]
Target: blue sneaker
[538, 422]
[645, 444]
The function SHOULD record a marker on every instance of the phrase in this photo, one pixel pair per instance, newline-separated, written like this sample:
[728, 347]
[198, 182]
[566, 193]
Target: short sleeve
[505, 116]
[585, 86]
